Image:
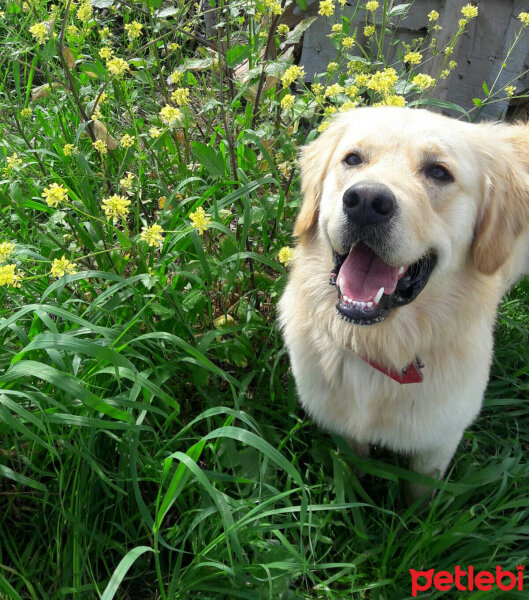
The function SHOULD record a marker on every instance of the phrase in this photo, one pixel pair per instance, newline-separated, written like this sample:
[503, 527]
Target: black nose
[368, 203]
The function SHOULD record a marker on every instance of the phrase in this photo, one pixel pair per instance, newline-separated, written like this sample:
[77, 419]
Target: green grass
[152, 445]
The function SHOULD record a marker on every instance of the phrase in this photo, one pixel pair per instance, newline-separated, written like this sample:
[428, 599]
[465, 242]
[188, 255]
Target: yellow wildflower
[127, 141]
[155, 132]
[317, 89]
[348, 105]
[452, 64]
[40, 32]
[333, 90]
[175, 77]
[152, 235]
[423, 81]
[133, 30]
[100, 146]
[444, 73]
[287, 102]
[524, 18]
[13, 161]
[200, 220]
[127, 181]
[348, 42]
[413, 58]
[97, 115]
[337, 28]
[180, 96]
[326, 8]
[6, 249]
[106, 52]
[393, 100]
[73, 30]
[469, 11]
[117, 67]
[331, 67]
[323, 126]
[283, 29]
[54, 194]
[116, 206]
[173, 47]
[162, 201]
[273, 6]
[170, 115]
[351, 91]
[104, 33]
[369, 30]
[84, 13]
[383, 81]
[61, 267]
[26, 112]
[69, 149]
[286, 255]
[510, 90]
[9, 277]
[291, 74]
[372, 6]
[433, 15]
[329, 110]
[361, 79]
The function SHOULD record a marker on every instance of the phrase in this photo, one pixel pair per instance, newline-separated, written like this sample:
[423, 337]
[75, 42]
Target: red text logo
[421, 581]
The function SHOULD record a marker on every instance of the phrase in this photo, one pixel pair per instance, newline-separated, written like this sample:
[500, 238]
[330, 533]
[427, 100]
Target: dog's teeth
[376, 299]
[341, 284]
[362, 304]
[401, 270]
[369, 305]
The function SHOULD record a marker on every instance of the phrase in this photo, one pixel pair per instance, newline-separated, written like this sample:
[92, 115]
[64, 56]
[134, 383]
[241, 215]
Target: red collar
[411, 374]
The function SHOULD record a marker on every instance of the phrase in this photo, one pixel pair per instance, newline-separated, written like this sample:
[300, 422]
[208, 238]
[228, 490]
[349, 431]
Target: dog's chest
[367, 405]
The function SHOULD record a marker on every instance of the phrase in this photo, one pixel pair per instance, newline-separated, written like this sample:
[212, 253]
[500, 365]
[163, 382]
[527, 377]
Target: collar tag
[411, 374]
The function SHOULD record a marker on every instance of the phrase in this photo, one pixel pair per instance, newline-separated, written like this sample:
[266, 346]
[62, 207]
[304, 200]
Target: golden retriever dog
[420, 224]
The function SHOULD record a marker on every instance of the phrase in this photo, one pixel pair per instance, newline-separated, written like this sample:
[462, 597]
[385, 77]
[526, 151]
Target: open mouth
[368, 288]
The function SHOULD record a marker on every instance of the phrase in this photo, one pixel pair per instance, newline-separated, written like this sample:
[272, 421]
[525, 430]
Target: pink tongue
[364, 273]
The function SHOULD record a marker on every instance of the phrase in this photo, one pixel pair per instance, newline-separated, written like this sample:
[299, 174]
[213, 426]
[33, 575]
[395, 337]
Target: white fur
[450, 324]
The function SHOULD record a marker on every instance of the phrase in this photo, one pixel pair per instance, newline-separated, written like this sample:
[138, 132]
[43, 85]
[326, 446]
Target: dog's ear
[505, 210]
[314, 161]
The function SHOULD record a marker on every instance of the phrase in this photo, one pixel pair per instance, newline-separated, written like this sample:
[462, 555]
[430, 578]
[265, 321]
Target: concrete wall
[480, 52]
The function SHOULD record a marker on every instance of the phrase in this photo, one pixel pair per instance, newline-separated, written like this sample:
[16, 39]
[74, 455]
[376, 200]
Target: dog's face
[399, 196]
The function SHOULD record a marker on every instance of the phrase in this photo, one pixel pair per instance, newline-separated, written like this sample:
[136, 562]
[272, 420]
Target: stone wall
[479, 54]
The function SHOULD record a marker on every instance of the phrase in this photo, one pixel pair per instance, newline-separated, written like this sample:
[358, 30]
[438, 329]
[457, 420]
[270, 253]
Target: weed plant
[151, 441]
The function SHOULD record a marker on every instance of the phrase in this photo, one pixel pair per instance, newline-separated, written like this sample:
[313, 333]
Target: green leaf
[399, 10]
[236, 55]
[122, 569]
[209, 158]
[294, 36]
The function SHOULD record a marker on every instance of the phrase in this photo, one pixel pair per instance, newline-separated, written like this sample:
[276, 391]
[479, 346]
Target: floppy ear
[314, 161]
[505, 212]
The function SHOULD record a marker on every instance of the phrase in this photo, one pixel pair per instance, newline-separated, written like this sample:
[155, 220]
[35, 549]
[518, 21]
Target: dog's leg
[431, 462]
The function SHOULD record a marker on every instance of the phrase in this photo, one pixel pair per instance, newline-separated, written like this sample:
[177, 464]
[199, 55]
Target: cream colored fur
[478, 226]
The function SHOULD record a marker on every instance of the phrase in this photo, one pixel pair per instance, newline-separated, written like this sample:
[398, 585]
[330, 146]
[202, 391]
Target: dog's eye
[352, 159]
[438, 172]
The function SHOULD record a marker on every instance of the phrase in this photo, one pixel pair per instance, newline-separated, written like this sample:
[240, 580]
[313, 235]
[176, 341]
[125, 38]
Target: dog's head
[400, 195]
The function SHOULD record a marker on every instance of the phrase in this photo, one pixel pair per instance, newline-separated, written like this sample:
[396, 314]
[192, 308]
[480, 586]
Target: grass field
[152, 445]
